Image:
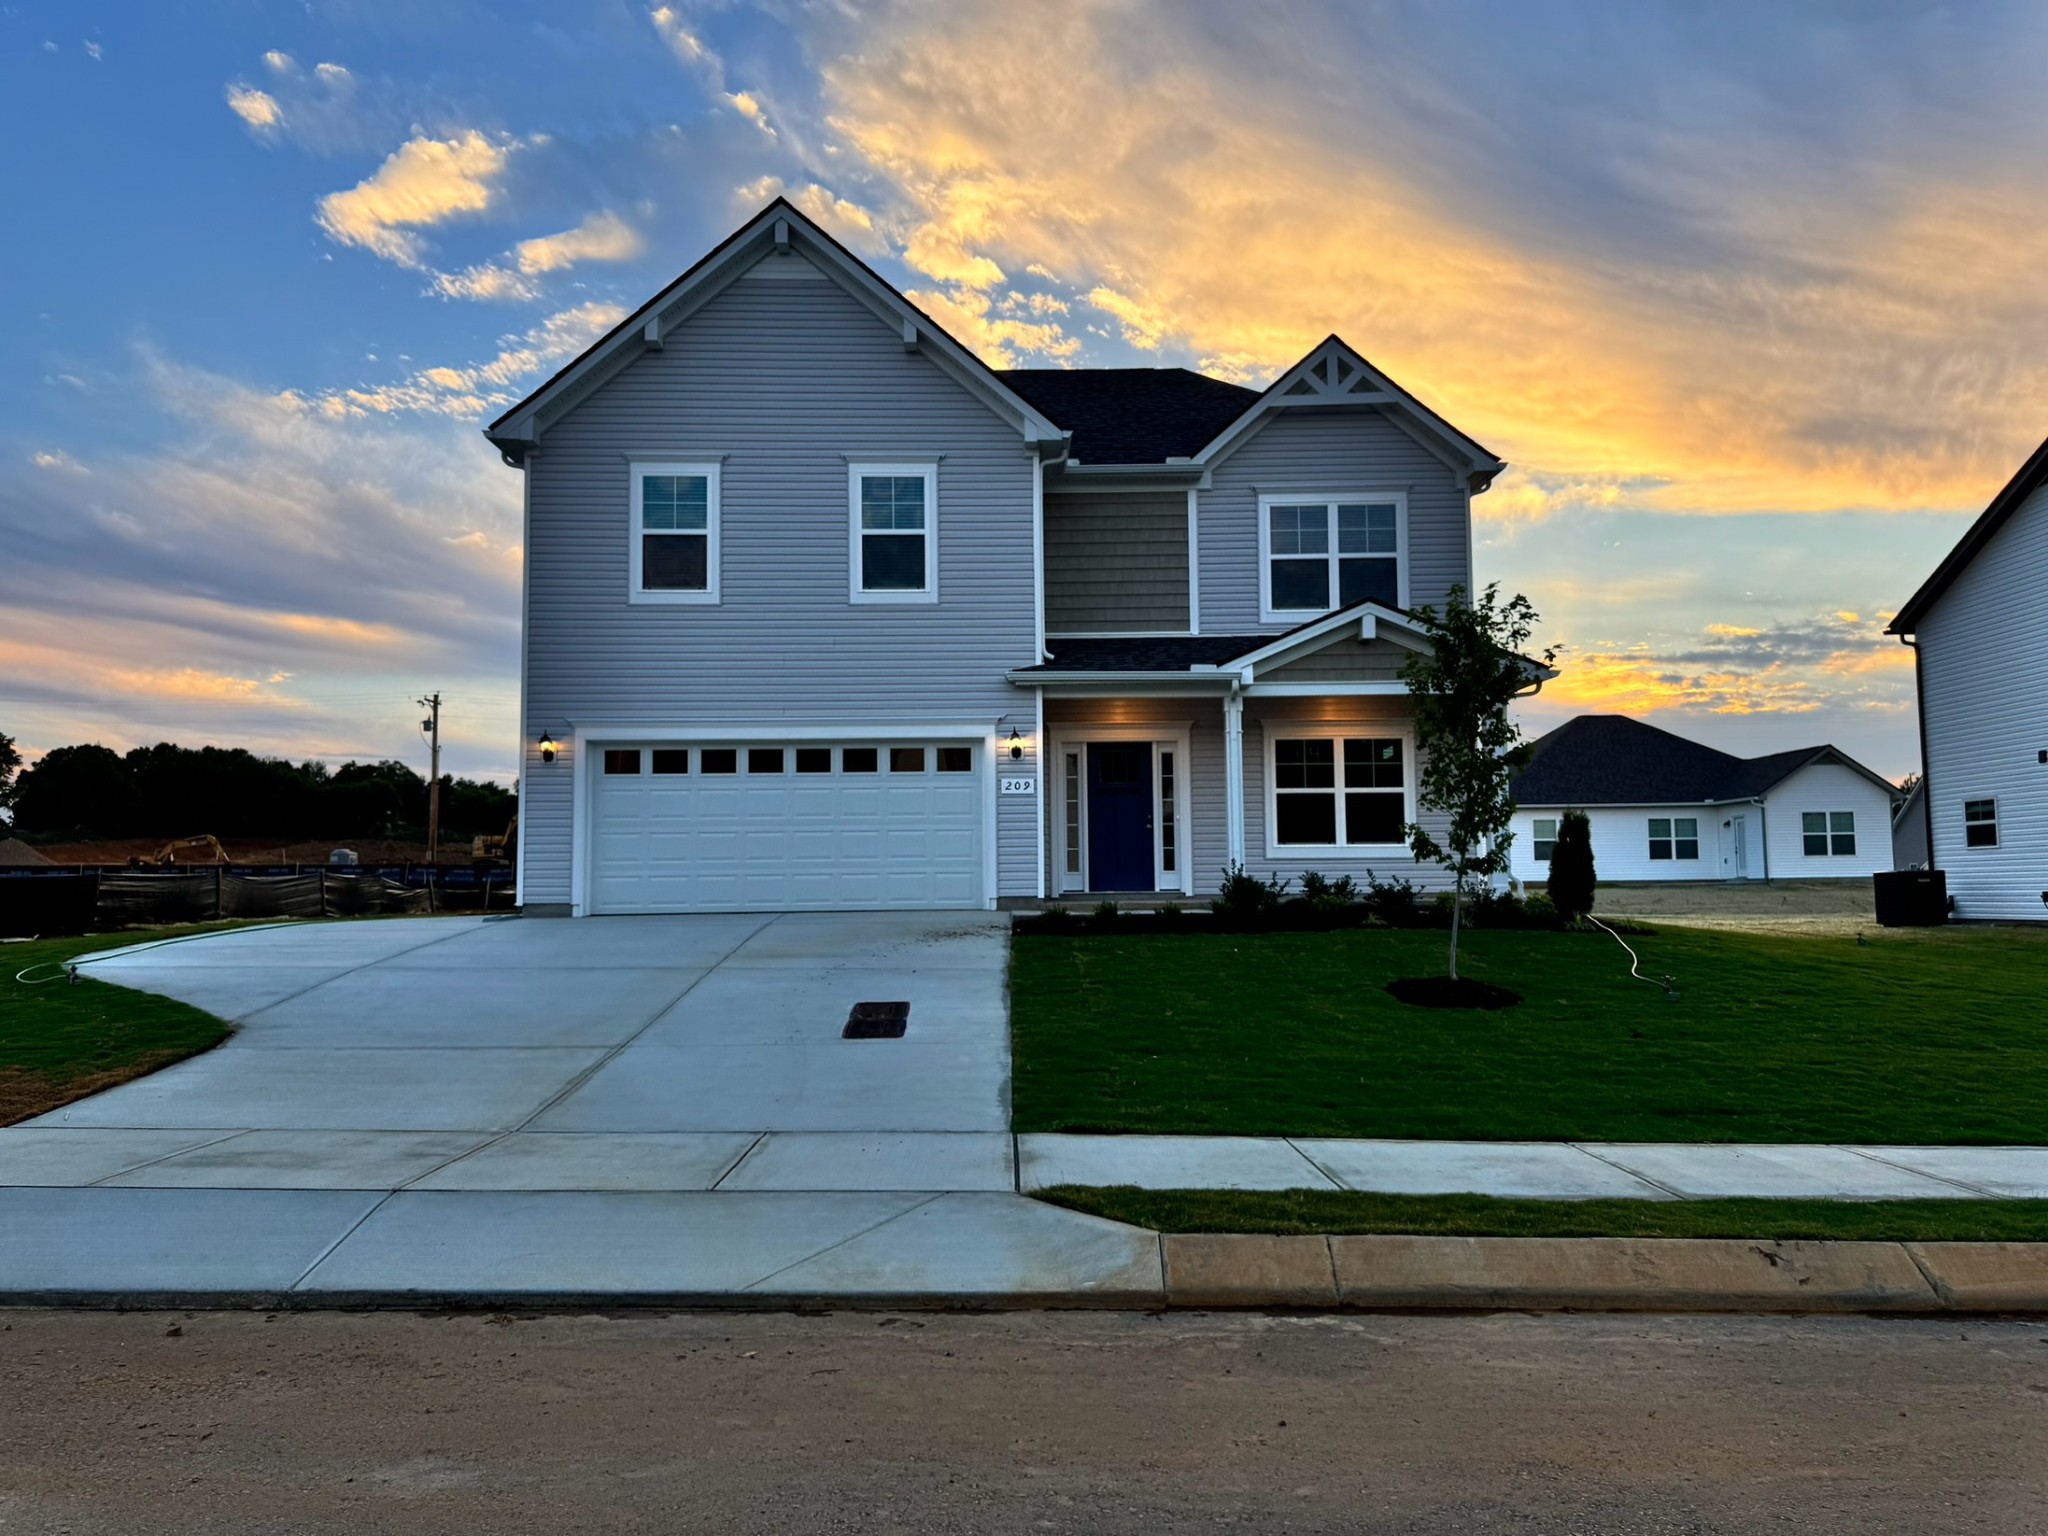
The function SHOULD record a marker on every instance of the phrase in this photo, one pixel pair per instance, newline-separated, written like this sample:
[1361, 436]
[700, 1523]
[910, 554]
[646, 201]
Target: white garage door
[796, 826]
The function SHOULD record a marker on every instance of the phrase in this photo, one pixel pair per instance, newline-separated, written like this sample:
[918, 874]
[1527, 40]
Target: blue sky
[1748, 295]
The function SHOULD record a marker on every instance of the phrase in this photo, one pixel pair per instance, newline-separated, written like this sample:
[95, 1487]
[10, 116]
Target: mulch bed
[1444, 992]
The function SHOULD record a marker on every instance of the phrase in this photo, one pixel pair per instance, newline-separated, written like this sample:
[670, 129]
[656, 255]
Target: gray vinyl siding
[782, 381]
[1208, 838]
[1329, 451]
[1983, 661]
[1116, 564]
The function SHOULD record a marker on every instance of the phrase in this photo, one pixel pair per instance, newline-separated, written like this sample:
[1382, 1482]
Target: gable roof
[1132, 415]
[2031, 477]
[1336, 374]
[779, 227]
[1233, 653]
[1613, 760]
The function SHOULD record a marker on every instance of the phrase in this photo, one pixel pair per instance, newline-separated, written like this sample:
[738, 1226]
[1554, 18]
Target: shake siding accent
[1327, 450]
[1346, 661]
[782, 381]
[1330, 716]
[1116, 563]
[1984, 678]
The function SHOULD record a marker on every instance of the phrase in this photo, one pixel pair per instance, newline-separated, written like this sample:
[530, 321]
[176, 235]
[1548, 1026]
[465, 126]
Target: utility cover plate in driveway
[876, 1021]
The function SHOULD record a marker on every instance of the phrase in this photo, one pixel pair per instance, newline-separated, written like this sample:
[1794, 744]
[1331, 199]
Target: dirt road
[1114, 1423]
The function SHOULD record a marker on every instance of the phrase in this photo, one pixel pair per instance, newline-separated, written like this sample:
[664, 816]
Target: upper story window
[674, 555]
[895, 535]
[1980, 823]
[1319, 553]
[1822, 833]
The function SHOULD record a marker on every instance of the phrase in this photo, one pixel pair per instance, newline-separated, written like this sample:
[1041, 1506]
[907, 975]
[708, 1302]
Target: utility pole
[432, 726]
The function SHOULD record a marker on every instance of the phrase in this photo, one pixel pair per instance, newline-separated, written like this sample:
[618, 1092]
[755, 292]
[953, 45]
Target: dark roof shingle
[1132, 415]
[1613, 760]
[1146, 653]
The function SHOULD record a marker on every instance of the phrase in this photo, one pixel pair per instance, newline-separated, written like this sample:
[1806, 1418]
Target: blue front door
[1120, 816]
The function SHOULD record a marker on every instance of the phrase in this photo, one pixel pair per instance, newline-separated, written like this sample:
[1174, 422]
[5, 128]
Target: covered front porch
[1170, 760]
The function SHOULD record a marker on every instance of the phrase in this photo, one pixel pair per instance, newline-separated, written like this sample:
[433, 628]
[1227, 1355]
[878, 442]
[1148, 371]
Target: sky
[1748, 295]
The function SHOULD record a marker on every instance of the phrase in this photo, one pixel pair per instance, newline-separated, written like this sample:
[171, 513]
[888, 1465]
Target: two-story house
[821, 611]
[1979, 629]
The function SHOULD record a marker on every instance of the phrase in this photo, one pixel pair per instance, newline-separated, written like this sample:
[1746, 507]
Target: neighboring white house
[1979, 628]
[1663, 807]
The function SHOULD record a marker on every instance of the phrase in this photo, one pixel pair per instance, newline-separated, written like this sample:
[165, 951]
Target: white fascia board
[1070, 684]
[1324, 689]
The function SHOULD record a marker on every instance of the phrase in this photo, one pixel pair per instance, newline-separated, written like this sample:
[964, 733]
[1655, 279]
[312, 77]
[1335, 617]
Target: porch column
[1233, 774]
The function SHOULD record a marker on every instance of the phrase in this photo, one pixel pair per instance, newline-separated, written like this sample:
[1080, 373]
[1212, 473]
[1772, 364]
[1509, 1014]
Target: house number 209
[1014, 785]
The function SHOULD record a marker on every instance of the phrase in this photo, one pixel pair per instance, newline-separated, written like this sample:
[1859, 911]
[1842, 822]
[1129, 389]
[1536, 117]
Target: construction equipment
[499, 847]
[206, 844]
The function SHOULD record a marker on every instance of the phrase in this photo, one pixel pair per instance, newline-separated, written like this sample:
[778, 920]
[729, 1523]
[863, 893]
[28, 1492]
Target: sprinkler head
[1671, 992]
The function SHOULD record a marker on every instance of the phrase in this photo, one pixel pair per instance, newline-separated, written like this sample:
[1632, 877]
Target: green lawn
[1317, 1211]
[1918, 1036]
[60, 1042]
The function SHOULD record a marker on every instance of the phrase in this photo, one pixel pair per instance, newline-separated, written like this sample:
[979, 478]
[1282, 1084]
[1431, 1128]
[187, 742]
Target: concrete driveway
[628, 1053]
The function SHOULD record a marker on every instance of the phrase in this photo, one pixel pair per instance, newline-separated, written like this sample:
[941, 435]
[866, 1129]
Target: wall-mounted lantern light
[547, 747]
[1016, 747]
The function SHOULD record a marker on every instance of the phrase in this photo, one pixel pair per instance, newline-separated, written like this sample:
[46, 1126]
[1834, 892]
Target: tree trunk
[1457, 912]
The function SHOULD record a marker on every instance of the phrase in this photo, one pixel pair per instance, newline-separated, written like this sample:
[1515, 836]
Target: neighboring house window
[1980, 823]
[674, 555]
[1319, 554]
[1674, 837]
[1338, 792]
[1823, 833]
[895, 548]
[1544, 838]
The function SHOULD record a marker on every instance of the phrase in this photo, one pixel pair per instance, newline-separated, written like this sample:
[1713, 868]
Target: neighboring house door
[1120, 841]
[1738, 846]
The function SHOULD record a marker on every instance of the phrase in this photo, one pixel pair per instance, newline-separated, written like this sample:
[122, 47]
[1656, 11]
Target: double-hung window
[1543, 841]
[1824, 833]
[1320, 553]
[674, 551]
[1338, 792]
[1980, 823]
[1674, 837]
[894, 554]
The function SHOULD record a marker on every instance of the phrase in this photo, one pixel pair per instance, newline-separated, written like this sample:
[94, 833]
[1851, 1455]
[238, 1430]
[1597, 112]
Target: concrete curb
[1210, 1271]
[1602, 1274]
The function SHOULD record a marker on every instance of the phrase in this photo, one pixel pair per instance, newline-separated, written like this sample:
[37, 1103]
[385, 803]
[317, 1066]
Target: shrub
[1539, 909]
[1572, 878]
[1107, 909]
[1246, 895]
[1172, 912]
[1325, 894]
[1394, 902]
[1488, 908]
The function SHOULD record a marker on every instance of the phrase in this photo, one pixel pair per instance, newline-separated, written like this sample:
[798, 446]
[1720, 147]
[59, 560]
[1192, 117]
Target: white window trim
[1268, 614]
[1963, 811]
[1274, 730]
[639, 469]
[928, 470]
[1699, 843]
[1829, 818]
[1075, 738]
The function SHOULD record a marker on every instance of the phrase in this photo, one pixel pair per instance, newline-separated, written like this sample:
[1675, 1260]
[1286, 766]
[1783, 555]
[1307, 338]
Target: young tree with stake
[1470, 750]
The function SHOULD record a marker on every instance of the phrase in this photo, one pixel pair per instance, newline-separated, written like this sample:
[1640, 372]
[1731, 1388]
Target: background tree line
[173, 791]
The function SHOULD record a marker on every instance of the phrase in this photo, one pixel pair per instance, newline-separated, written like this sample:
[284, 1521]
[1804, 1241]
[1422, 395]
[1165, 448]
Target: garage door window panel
[719, 760]
[675, 533]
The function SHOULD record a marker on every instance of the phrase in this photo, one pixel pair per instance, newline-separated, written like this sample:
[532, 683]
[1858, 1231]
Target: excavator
[499, 847]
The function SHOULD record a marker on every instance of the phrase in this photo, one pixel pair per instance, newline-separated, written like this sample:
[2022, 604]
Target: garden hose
[1669, 983]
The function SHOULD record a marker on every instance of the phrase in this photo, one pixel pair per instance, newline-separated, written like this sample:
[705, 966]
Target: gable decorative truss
[778, 232]
[1335, 375]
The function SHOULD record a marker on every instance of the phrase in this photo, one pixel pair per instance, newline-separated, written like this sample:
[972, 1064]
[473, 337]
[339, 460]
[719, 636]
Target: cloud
[487, 280]
[57, 461]
[1836, 661]
[258, 109]
[1651, 267]
[601, 237]
[472, 391]
[94, 51]
[280, 63]
[423, 183]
